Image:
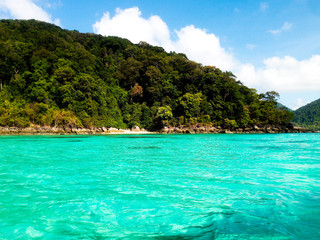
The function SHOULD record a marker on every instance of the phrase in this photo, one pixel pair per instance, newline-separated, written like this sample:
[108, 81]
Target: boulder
[165, 129]
[135, 128]
[228, 132]
[113, 130]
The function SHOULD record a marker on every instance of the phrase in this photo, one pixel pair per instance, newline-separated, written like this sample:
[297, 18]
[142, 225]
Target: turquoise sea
[247, 186]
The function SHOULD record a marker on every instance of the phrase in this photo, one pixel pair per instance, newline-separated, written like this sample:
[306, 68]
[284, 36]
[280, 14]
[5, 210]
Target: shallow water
[256, 186]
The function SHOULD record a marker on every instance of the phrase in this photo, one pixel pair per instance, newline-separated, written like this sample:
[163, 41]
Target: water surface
[256, 186]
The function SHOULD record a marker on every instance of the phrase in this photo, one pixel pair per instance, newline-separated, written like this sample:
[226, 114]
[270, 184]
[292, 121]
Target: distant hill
[55, 77]
[308, 115]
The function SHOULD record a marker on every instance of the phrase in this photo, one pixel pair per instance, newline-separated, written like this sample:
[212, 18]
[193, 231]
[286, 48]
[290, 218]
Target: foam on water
[160, 187]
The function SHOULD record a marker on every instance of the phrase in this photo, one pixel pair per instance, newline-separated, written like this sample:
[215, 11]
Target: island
[65, 82]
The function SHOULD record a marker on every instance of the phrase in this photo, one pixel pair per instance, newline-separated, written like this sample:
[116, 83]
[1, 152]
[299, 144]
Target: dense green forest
[309, 115]
[55, 77]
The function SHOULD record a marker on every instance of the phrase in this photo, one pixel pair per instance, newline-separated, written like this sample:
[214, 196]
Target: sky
[268, 45]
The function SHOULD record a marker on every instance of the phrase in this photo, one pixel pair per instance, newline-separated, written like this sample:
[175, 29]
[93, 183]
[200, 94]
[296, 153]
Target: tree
[270, 96]
[164, 113]
[136, 92]
[191, 104]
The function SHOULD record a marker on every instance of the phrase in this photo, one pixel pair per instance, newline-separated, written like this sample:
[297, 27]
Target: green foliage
[190, 105]
[308, 115]
[13, 114]
[230, 123]
[164, 115]
[55, 77]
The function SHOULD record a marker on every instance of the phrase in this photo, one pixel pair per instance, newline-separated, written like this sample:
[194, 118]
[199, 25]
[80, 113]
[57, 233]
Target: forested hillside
[309, 115]
[54, 77]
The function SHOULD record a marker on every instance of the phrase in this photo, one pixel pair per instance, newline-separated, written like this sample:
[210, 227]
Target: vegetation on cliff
[309, 115]
[55, 77]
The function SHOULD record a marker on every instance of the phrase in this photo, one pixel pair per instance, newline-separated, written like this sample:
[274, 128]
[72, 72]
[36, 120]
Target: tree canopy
[309, 115]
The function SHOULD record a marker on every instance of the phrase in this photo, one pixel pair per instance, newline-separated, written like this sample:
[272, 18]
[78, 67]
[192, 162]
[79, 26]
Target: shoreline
[246, 130]
[68, 131]
[38, 130]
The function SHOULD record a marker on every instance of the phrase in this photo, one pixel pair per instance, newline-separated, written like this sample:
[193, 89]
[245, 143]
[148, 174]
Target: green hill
[55, 77]
[309, 115]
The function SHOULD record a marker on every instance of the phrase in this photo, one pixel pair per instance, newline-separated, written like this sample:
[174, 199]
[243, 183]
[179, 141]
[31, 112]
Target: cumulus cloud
[203, 47]
[285, 27]
[25, 9]
[129, 23]
[285, 74]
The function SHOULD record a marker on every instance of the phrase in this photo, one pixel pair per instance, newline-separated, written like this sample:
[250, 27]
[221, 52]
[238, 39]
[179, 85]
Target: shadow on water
[147, 147]
[172, 238]
[70, 136]
[207, 231]
[186, 236]
[136, 136]
[268, 147]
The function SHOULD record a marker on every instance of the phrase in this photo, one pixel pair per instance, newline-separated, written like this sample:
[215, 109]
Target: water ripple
[160, 187]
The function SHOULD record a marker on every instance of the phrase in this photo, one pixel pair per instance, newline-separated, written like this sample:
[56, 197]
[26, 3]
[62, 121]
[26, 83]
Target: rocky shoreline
[42, 130]
[253, 129]
[37, 130]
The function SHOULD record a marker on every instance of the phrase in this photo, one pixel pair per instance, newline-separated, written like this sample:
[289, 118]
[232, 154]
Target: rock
[165, 130]
[82, 131]
[113, 130]
[290, 126]
[299, 129]
[190, 131]
[269, 130]
[201, 130]
[135, 128]
[212, 130]
[228, 132]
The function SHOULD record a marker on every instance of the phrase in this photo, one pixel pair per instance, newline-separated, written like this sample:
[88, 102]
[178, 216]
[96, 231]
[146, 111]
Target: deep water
[206, 186]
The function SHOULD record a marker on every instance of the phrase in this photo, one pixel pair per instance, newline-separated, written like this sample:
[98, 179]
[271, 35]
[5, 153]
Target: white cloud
[285, 27]
[264, 6]
[203, 47]
[25, 9]
[285, 74]
[129, 23]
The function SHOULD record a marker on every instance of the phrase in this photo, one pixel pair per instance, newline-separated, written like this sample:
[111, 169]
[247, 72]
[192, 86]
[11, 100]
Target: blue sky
[268, 45]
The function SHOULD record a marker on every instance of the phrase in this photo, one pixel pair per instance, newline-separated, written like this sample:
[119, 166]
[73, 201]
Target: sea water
[245, 186]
